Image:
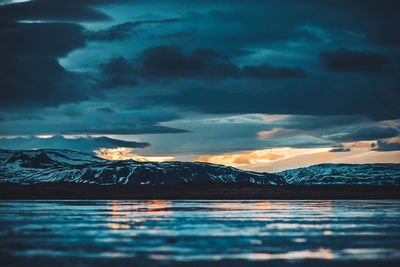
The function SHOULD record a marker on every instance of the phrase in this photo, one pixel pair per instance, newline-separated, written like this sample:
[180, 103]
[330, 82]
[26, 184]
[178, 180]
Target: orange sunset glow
[271, 160]
[125, 153]
[257, 156]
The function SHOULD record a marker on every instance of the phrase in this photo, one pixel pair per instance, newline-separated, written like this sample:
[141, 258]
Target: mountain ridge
[343, 173]
[50, 165]
[60, 165]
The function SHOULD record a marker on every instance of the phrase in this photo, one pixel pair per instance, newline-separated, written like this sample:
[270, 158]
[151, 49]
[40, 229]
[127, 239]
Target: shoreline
[196, 191]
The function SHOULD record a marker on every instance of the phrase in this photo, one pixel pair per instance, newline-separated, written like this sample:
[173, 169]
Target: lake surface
[196, 233]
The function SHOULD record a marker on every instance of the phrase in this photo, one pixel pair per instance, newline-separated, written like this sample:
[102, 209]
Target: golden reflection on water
[157, 207]
[127, 214]
[263, 204]
[208, 230]
[323, 206]
[118, 226]
[321, 253]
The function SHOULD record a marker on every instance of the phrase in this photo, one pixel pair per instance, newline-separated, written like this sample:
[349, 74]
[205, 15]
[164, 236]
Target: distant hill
[66, 166]
[344, 174]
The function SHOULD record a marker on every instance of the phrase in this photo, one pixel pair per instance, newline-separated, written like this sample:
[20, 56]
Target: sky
[258, 85]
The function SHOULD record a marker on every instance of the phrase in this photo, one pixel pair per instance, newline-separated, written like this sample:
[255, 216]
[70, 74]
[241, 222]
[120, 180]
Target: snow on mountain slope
[57, 165]
[371, 174]
[4, 155]
[52, 165]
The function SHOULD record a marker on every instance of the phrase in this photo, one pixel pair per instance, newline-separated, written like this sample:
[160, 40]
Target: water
[234, 233]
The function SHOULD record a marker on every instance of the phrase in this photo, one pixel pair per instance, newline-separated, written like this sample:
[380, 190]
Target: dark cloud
[33, 82]
[340, 149]
[71, 112]
[169, 62]
[237, 25]
[255, 26]
[59, 10]
[105, 110]
[117, 65]
[300, 141]
[266, 71]
[119, 80]
[210, 57]
[30, 75]
[311, 98]
[87, 144]
[345, 60]
[116, 32]
[179, 34]
[373, 20]
[118, 72]
[141, 129]
[92, 127]
[78, 119]
[313, 123]
[124, 30]
[383, 145]
[40, 39]
[366, 133]
[29, 81]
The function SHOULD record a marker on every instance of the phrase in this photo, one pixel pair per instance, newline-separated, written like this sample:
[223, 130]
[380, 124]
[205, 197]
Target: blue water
[163, 232]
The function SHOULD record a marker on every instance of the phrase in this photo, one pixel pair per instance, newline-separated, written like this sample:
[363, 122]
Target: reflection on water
[123, 216]
[184, 231]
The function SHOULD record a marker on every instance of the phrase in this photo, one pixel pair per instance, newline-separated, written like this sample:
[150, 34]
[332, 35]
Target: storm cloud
[206, 77]
[124, 30]
[345, 60]
[86, 144]
[340, 149]
[367, 133]
[170, 62]
[383, 145]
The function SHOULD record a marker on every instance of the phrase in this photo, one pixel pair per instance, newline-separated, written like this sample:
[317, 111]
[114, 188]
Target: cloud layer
[207, 78]
[86, 144]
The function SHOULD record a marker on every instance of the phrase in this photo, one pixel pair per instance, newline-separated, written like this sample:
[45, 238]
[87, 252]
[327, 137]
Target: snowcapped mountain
[371, 174]
[55, 165]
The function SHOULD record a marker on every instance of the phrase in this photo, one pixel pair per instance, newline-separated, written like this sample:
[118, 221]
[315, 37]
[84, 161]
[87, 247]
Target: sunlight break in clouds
[249, 158]
[124, 153]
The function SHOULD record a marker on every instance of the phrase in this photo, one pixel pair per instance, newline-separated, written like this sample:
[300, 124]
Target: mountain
[56, 165]
[361, 174]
